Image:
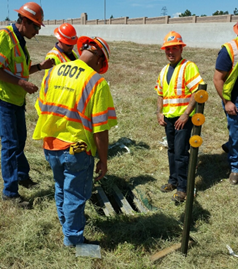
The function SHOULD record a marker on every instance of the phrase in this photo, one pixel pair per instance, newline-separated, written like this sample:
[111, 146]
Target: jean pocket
[77, 162]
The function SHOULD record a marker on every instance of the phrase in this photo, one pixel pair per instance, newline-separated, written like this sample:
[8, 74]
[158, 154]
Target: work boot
[179, 197]
[233, 178]
[225, 148]
[18, 201]
[27, 183]
[86, 241]
[168, 187]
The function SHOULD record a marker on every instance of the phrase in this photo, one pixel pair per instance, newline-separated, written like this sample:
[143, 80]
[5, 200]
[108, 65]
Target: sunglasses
[68, 45]
[36, 27]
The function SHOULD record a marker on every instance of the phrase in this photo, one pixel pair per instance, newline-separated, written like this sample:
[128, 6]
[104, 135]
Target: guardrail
[143, 20]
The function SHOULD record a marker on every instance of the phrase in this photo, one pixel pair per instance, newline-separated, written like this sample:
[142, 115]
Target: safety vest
[58, 56]
[13, 61]
[74, 103]
[176, 95]
[232, 49]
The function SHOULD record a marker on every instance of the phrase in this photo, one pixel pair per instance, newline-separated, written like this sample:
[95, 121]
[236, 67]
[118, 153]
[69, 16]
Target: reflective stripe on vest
[58, 54]
[176, 95]
[232, 49]
[18, 67]
[78, 113]
[176, 98]
[100, 119]
[14, 41]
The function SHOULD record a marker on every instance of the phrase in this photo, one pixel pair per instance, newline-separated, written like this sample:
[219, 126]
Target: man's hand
[231, 108]
[47, 64]
[160, 118]
[181, 121]
[101, 169]
[28, 86]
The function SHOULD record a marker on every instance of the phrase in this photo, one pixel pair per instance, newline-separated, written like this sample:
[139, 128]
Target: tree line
[188, 13]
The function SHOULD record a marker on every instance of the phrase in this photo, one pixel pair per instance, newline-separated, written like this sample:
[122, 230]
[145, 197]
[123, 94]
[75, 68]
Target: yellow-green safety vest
[232, 49]
[59, 57]
[176, 95]
[74, 103]
[13, 61]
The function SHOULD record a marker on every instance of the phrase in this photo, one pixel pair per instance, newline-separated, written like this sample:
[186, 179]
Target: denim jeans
[178, 146]
[233, 142]
[13, 137]
[73, 176]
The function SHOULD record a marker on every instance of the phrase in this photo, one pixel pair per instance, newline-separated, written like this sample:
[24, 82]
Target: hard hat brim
[173, 44]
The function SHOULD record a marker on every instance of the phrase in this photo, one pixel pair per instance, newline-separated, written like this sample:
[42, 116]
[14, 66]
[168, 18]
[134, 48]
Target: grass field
[33, 238]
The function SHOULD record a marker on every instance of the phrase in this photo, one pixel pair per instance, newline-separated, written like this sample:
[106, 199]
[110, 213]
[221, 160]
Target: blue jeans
[178, 146]
[73, 176]
[13, 137]
[233, 142]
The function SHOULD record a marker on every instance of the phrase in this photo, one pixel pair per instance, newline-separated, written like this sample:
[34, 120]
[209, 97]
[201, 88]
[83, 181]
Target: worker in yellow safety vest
[76, 110]
[63, 49]
[176, 85]
[15, 68]
[226, 84]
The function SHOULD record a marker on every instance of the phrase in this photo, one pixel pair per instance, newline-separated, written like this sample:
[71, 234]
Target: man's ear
[24, 21]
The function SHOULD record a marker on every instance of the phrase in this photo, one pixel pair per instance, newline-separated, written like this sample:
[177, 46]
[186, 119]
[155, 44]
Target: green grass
[33, 238]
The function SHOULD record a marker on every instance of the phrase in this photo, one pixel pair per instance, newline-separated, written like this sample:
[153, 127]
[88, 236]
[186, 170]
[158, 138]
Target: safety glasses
[36, 27]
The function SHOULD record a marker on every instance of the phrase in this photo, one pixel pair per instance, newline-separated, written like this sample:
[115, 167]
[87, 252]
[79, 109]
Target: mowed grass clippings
[33, 238]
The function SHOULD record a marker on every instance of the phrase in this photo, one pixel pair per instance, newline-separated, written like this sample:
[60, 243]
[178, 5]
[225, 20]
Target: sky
[99, 9]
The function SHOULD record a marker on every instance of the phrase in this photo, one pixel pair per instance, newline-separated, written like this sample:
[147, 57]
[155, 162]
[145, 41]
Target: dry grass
[33, 239]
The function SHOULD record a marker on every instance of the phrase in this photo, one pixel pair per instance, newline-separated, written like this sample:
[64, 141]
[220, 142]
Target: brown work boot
[179, 197]
[168, 188]
[233, 178]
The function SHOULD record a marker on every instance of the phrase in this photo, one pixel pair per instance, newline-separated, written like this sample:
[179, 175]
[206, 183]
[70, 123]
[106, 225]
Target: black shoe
[18, 201]
[225, 148]
[86, 241]
[27, 183]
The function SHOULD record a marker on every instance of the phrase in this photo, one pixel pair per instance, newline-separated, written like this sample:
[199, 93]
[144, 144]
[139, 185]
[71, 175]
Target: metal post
[191, 180]
[104, 11]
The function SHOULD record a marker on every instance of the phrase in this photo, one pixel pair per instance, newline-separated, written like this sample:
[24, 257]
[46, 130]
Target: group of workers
[75, 112]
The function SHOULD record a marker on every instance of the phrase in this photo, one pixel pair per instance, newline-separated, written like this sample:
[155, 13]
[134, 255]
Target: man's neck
[174, 64]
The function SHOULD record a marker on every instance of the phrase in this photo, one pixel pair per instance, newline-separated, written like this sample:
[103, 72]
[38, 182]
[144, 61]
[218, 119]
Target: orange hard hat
[172, 39]
[235, 28]
[66, 33]
[84, 42]
[33, 12]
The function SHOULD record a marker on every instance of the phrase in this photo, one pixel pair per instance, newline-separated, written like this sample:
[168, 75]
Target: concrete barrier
[203, 35]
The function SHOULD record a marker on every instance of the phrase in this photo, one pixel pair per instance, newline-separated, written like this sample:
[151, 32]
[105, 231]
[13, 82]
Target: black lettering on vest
[67, 69]
[73, 71]
[59, 71]
[80, 70]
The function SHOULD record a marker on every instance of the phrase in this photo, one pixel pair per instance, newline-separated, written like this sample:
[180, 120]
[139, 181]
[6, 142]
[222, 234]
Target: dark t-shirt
[21, 40]
[70, 56]
[224, 63]
[170, 72]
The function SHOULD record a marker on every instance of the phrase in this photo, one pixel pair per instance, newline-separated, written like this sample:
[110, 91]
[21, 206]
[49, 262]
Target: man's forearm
[160, 104]
[101, 141]
[191, 105]
[6, 77]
